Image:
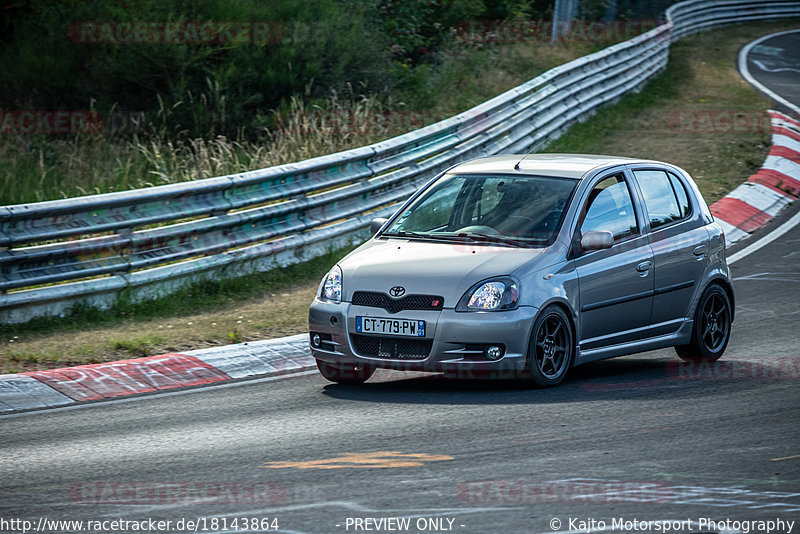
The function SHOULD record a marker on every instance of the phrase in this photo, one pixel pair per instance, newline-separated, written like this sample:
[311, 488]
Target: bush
[209, 89]
[66, 55]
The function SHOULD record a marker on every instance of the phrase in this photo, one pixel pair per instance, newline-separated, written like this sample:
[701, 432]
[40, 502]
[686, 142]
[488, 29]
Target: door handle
[699, 250]
[644, 266]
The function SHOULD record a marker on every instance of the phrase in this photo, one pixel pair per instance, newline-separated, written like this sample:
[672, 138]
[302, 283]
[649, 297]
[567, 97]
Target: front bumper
[457, 339]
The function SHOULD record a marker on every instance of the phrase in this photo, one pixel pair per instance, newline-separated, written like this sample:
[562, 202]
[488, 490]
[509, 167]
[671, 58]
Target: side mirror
[376, 225]
[594, 240]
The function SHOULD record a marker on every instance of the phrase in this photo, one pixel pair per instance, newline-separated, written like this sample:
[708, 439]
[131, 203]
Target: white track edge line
[766, 240]
[745, 72]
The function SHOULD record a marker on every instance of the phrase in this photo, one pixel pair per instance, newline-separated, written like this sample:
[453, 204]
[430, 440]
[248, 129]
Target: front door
[616, 284]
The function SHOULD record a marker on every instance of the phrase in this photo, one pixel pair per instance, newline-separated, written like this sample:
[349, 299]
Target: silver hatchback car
[526, 266]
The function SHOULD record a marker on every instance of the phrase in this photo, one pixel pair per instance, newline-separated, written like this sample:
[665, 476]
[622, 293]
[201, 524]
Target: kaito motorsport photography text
[703, 524]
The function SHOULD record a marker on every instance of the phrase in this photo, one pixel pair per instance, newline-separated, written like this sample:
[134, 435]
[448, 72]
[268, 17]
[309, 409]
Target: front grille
[374, 299]
[392, 348]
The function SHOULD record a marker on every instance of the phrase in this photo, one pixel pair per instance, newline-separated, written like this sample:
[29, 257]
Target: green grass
[137, 345]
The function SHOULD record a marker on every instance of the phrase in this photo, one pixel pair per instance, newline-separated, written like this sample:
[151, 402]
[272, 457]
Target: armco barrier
[152, 241]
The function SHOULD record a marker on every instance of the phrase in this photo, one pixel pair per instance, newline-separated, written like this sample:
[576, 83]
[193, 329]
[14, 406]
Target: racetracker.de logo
[368, 122]
[49, 122]
[780, 368]
[171, 32]
[505, 492]
[519, 30]
[177, 493]
[704, 122]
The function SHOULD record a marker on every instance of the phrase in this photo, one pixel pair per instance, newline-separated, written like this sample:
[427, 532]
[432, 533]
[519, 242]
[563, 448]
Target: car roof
[560, 165]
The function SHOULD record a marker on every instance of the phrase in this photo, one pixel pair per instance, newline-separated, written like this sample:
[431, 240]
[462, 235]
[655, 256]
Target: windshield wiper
[505, 240]
[472, 236]
[406, 233]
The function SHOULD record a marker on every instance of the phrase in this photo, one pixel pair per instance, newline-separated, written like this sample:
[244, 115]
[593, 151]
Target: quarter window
[680, 192]
[610, 209]
[664, 197]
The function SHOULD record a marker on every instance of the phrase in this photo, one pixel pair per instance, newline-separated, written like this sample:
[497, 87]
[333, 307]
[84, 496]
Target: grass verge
[701, 78]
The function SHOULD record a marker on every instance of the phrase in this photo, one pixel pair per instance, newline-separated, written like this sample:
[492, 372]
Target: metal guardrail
[148, 242]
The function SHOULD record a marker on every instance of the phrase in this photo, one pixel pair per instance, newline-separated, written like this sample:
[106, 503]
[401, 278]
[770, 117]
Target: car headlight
[331, 287]
[491, 295]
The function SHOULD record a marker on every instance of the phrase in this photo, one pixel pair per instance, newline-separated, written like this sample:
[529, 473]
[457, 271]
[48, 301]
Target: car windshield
[511, 210]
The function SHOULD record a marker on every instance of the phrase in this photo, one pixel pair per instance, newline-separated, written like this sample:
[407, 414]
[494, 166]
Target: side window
[661, 198]
[610, 209]
[680, 192]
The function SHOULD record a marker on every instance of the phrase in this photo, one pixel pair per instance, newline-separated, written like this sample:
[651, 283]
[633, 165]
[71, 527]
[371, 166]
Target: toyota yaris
[527, 266]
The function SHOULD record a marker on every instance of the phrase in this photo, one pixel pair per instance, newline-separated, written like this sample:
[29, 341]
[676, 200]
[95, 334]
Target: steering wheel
[552, 219]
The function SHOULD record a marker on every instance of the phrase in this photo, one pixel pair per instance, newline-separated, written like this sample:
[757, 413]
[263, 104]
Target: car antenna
[516, 166]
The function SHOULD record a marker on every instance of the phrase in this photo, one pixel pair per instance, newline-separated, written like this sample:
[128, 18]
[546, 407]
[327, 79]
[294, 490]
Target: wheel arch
[726, 286]
[571, 317]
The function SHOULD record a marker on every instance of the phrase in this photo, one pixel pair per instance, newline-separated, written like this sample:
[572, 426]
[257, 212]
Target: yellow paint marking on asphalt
[369, 460]
[784, 458]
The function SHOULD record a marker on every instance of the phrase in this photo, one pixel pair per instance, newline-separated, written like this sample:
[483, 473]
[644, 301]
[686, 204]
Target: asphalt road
[775, 62]
[637, 438]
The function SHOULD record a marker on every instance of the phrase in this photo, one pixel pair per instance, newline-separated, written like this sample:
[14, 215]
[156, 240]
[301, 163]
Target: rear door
[616, 284]
[679, 241]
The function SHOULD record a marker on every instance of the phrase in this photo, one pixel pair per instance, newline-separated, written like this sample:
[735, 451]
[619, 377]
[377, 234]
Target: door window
[610, 208]
[664, 197]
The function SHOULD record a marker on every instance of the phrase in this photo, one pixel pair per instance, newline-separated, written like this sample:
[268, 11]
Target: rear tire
[345, 373]
[551, 348]
[711, 330]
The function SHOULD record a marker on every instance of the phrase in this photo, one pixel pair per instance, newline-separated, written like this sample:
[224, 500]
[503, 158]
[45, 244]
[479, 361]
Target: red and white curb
[60, 387]
[751, 205]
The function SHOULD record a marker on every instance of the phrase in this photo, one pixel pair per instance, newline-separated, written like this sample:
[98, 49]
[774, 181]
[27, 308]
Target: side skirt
[679, 337]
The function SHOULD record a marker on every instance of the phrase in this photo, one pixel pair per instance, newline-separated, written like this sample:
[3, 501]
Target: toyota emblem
[397, 291]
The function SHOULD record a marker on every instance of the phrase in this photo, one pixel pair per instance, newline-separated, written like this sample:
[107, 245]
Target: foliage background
[339, 74]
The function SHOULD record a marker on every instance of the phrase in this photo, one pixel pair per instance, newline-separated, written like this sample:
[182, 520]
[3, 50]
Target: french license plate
[394, 327]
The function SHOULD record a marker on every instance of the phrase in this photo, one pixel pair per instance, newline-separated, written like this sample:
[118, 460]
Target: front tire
[711, 330]
[345, 373]
[551, 349]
